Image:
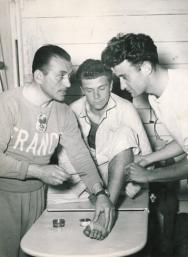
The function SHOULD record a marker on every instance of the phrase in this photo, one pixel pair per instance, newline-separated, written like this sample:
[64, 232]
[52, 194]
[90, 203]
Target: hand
[132, 189]
[104, 205]
[49, 174]
[141, 160]
[137, 173]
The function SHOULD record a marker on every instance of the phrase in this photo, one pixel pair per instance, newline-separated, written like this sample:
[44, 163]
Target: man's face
[56, 81]
[97, 92]
[131, 77]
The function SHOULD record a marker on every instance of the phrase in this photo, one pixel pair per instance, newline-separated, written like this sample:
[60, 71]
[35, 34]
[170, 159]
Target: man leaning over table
[33, 120]
[134, 58]
[111, 128]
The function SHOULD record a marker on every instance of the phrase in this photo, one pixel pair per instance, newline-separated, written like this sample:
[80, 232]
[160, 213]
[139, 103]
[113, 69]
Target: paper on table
[67, 192]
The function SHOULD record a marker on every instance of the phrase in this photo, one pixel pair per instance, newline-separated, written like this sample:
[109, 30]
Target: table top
[128, 236]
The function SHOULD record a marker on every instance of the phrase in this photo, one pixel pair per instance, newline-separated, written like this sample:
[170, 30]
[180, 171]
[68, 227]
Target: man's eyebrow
[63, 72]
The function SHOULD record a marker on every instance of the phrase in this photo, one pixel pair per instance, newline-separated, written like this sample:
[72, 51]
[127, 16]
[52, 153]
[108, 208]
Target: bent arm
[172, 149]
[173, 172]
[116, 173]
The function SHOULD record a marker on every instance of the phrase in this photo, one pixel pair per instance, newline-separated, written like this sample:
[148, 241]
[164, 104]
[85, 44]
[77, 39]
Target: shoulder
[122, 103]
[77, 105]
[61, 107]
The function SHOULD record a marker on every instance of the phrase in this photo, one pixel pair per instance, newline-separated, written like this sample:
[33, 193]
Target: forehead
[96, 82]
[58, 64]
[122, 68]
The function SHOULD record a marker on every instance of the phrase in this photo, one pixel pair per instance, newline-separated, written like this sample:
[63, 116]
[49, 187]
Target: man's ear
[146, 68]
[38, 76]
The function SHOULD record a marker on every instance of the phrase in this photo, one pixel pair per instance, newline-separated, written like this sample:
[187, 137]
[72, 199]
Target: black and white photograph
[93, 128]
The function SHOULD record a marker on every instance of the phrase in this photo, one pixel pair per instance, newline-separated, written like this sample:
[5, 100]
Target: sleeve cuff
[23, 169]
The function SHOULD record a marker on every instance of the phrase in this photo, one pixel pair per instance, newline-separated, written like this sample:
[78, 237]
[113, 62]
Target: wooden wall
[6, 54]
[82, 27]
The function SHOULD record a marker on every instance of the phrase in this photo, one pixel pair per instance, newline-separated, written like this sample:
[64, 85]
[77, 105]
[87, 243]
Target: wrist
[102, 192]
[152, 176]
[34, 171]
[150, 158]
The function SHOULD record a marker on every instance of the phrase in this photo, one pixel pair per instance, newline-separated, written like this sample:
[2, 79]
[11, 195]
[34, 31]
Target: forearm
[171, 150]
[116, 178]
[173, 172]
[82, 161]
[12, 168]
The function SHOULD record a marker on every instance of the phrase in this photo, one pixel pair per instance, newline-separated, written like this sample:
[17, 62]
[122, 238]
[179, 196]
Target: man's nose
[96, 94]
[123, 84]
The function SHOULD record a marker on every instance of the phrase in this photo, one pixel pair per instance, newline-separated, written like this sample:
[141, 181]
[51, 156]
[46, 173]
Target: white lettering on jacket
[39, 144]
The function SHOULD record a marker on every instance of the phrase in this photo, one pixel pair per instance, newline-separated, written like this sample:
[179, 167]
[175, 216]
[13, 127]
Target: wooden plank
[171, 53]
[101, 29]
[6, 45]
[59, 8]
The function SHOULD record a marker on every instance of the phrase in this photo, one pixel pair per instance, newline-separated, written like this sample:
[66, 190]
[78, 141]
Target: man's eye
[102, 88]
[88, 90]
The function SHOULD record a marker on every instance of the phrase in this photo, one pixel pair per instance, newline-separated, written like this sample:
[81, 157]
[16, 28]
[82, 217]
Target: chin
[60, 98]
[99, 108]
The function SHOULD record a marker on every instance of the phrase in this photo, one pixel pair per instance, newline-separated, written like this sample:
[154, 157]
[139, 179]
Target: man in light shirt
[134, 59]
[110, 125]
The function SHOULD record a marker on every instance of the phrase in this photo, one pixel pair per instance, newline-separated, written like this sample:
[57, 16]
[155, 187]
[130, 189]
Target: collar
[111, 104]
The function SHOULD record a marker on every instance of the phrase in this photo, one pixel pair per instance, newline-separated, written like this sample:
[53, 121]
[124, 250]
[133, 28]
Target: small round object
[85, 222]
[58, 223]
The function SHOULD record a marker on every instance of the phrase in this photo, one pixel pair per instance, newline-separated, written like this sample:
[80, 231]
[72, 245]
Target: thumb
[96, 215]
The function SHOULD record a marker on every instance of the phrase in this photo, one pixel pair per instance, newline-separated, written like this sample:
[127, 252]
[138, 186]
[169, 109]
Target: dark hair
[135, 48]
[91, 69]
[45, 53]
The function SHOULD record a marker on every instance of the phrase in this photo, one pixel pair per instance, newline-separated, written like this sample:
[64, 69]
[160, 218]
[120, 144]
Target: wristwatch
[103, 192]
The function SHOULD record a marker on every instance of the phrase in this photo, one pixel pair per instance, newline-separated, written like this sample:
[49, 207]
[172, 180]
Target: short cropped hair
[45, 53]
[135, 48]
[91, 69]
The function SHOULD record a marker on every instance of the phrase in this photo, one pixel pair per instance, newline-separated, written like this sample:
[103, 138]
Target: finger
[62, 172]
[56, 182]
[87, 231]
[60, 176]
[99, 235]
[107, 218]
[104, 235]
[93, 233]
[96, 234]
[96, 215]
[64, 175]
[111, 220]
